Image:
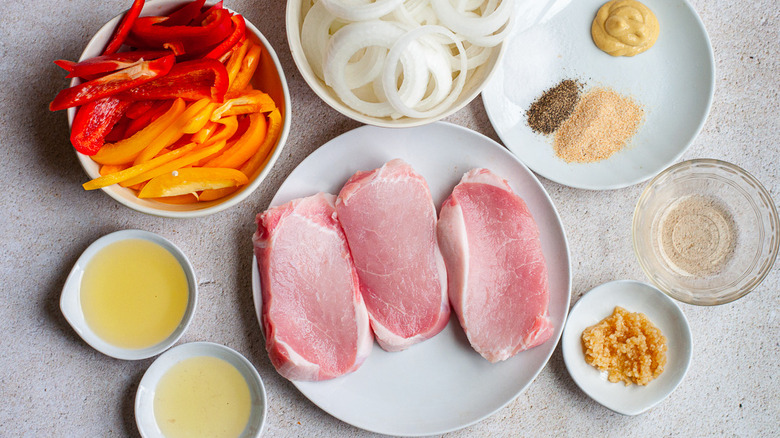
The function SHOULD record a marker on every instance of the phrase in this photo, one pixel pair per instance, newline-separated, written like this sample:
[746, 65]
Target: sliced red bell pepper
[108, 63]
[139, 108]
[176, 47]
[112, 84]
[184, 15]
[190, 80]
[118, 131]
[124, 27]
[150, 33]
[239, 30]
[199, 19]
[94, 121]
[157, 109]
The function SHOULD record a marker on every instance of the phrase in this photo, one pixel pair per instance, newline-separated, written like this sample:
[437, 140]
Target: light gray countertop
[54, 384]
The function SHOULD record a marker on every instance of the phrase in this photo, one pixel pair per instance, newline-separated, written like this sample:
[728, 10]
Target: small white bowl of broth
[131, 295]
[201, 389]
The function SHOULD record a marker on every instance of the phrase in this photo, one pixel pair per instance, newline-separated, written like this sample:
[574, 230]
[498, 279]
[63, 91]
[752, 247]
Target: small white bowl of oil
[131, 294]
[201, 389]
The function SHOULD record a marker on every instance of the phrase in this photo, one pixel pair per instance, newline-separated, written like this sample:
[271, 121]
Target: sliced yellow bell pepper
[258, 101]
[125, 151]
[125, 174]
[176, 164]
[248, 67]
[245, 147]
[190, 180]
[172, 133]
[258, 160]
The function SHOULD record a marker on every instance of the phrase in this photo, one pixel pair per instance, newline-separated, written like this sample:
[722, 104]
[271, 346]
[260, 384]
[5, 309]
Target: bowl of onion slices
[397, 63]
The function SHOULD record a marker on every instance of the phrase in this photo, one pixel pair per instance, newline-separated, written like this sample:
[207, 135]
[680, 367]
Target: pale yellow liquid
[202, 397]
[134, 293]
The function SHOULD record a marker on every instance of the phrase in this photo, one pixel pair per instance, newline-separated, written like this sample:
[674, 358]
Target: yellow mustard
[624, 28]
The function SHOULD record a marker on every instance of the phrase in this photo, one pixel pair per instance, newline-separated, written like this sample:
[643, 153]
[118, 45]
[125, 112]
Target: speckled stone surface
[53, 384]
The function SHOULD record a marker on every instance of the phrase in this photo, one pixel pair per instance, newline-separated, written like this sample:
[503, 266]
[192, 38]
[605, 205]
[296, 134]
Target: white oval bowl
[474, 83]
[144, 397]
[127, 196]
[70, 300]
[662, 311]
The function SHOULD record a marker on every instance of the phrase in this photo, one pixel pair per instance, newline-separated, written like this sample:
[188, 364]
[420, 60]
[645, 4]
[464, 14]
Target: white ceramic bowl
[144, 398]
[70, 300]
[268, 78]
[662, 311]
[756, 225]
[474, 84]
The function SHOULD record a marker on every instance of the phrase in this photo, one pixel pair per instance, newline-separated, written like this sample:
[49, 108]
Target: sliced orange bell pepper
[189, 198]
[214, 194]
[258, 160]
[205, 132]
[230, 128]
[129, 172]
[175, 165]
[236, 58]
[192, 179]
[248, 68]
[125, 151]
[257, 100]
[172, 133]
[199, 121]
[107, 169]
[245, 147]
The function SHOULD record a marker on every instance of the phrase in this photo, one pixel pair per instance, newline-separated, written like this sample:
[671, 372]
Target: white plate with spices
[662, 311]
[442, 384]
[673, 82]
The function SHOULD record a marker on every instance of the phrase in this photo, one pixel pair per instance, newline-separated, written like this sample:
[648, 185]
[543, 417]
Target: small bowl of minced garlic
[706, 232]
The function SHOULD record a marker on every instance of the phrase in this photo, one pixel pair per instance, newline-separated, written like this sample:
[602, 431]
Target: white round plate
[674, 81]
[441, 384]
[144, 397]
[662, 311]
[70, 299]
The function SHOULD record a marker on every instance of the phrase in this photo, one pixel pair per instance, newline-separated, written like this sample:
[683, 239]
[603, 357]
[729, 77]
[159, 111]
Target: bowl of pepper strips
[176, 109]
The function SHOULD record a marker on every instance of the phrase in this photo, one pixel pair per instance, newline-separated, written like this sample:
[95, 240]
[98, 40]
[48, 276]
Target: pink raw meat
[314, 318]
[390, 222]
[496, 269]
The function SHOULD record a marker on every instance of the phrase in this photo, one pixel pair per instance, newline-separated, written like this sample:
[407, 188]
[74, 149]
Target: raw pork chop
[496, 269]
[315, 321]
[390, 222]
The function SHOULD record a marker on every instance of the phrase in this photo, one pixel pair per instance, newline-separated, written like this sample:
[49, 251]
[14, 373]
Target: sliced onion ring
[348, 41]
[395, 55]
[359, 11]
[315, 33]
[473, 26]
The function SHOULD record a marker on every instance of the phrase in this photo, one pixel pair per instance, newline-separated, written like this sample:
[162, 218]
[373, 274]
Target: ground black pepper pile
[554, 106]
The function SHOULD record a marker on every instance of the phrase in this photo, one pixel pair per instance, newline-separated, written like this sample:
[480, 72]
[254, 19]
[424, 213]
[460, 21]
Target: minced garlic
[627, 345]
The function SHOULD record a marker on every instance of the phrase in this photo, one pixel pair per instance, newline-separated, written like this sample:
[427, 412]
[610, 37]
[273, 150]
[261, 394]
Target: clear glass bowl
[746, 236]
